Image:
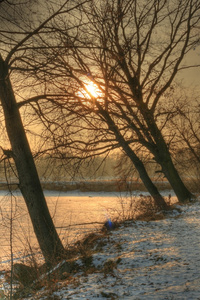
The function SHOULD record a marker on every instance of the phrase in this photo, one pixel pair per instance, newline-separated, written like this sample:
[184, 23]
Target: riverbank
[157, 259]
[139, 260]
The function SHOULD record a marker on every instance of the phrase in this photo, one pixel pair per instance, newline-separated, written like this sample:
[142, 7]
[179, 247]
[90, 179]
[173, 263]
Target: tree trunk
[151, 188]
[163, 158]
[29, 182]
[169, 170]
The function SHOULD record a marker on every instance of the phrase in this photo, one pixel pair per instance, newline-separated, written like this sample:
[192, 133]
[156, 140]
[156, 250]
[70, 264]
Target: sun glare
[92, 89]
[90, 92]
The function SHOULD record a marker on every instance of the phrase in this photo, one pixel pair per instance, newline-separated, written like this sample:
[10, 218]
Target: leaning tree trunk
[29, 182]
[150, 186]
[163, 158]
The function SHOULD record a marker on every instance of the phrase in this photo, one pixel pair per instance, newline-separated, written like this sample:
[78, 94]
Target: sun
[92, 89]
[89, 92]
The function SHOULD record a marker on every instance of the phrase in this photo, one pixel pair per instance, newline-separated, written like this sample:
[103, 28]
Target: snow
[142, 260]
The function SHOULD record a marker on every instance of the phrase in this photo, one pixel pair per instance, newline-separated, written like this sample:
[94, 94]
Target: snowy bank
[140, 260]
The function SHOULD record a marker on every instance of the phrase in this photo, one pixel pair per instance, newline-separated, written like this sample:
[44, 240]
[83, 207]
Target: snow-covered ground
[142, 260]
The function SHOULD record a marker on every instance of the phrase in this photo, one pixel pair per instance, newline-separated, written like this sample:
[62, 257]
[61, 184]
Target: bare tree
[186, 141]
[131, 52]
[19, 36]
[68, 75]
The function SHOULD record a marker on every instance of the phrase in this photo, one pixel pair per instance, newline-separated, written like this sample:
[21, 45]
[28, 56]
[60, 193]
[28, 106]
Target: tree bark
[150, 186]
[162, 156]
[29, 182]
